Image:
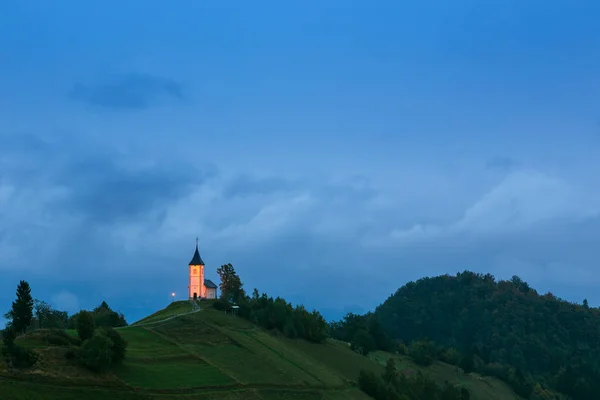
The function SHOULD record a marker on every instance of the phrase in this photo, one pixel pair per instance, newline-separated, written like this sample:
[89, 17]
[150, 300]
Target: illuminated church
[200, 287]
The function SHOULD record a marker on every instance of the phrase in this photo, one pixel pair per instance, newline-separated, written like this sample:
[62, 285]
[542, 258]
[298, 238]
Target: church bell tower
[196, 287]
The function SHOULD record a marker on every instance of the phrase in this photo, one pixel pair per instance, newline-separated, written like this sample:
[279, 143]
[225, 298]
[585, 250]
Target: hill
[539, 344]
[178, 353]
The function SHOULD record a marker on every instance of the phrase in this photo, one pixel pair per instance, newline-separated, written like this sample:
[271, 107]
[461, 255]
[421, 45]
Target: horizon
[331, 153]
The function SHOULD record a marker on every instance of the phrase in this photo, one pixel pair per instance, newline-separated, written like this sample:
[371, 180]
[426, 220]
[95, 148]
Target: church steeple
[196, 260]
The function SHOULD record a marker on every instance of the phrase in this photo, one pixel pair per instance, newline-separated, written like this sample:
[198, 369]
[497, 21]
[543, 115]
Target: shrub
[495, 370]
[464, 394]
[57, 340]
[467, 364]
[402, 349]
[96, 352]
[16, 356]
[19, 357]
[422, 352]
[104, 349]
[363, 342]
[71, 354]
[85, 325]
[451, 356]
[220, 305]
[119, 345]
[8, 337]
[289, 330]
[371, 384]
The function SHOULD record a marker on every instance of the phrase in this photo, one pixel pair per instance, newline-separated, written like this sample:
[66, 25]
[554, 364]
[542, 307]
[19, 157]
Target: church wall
[211, 293]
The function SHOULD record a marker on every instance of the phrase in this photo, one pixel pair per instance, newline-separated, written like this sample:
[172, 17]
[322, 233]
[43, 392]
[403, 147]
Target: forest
[539, 344]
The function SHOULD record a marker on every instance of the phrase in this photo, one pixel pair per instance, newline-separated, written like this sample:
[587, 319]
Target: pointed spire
[196, 260]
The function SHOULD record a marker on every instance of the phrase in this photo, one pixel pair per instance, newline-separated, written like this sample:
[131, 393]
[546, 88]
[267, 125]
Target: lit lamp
[172, 297]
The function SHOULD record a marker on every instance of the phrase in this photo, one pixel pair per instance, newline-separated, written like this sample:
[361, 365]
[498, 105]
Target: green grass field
[210, 355]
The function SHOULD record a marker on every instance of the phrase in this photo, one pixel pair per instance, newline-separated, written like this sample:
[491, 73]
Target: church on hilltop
[200, 288]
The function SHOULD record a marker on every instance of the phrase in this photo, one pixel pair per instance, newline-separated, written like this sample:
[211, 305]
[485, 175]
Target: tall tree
[21, 313]
[42, 312]
[390, 370]
[85, 325]
[231, 284]
[48, 317]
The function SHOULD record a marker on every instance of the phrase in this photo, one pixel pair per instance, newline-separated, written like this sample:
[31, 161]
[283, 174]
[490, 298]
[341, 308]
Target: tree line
[268, 312]
[97, 345]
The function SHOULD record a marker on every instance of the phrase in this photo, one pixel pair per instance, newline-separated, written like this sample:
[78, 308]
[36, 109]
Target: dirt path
[161, 320]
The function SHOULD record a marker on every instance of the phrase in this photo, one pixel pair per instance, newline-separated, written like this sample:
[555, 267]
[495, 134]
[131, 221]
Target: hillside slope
[201, 355]
[176, 353]
[504, 329]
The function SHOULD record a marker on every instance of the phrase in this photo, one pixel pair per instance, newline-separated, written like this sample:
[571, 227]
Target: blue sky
[331, 150]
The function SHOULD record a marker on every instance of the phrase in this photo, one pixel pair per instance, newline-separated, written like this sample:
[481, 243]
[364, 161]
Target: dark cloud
[128, 91]
[245, 185]
[102, 187]
[106, 193]
[502, 163]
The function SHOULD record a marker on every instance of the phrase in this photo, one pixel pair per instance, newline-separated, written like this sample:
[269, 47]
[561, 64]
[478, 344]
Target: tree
[422, 352]
[119, 345]
[43, 312]
[16, 356]
[390, 370]
[104, 316]
[465, 394]
[85, 325]
[231, 284]
[97, 352]
[21, 313]
[8, 337]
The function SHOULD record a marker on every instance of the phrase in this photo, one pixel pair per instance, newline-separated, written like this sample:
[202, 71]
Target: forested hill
[502, 328]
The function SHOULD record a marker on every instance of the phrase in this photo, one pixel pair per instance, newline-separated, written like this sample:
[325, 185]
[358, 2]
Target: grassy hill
[209, 355]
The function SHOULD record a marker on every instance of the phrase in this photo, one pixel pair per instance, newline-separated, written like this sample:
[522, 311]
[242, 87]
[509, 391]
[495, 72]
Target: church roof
[196, 260]
[209, 284]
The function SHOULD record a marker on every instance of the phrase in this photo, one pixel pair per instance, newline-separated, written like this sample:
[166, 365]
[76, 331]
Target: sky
[332, 151]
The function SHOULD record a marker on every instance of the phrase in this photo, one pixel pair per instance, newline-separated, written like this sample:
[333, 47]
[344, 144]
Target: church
[200, 288]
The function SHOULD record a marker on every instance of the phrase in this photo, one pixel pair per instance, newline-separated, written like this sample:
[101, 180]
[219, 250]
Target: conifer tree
[21, 313]
[390, 371]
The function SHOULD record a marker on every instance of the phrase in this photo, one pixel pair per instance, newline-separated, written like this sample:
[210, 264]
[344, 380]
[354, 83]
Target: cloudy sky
[332, 150]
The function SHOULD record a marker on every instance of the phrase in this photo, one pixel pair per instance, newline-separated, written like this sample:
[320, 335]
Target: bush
[16, 356]
[467, 364]
[85, 325]
[57, 340]
[71, 354]
[104, 349]
[363, 342]
[451, 356]
[221, 305]
[371, 384]
[8, 337]
[289, 330]
[464, 394]
[402, 349]
[495, 370]
[19, 357]
[422, 352]
[96, 352]
[119, 346]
